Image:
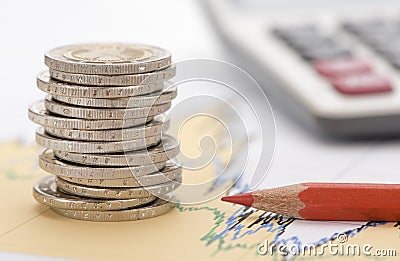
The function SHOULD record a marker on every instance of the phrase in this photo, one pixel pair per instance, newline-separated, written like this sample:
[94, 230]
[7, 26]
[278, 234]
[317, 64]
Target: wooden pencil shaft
[332, 201]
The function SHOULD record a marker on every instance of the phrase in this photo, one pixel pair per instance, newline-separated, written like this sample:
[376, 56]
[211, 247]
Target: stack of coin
[102, 123]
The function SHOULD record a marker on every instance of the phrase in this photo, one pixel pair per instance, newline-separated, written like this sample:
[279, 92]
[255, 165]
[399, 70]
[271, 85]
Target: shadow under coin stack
[102, 128]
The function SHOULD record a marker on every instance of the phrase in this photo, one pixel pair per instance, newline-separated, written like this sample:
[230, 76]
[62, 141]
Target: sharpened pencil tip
[242, 199]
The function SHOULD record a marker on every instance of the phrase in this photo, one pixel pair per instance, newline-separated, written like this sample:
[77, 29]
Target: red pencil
[327, 201]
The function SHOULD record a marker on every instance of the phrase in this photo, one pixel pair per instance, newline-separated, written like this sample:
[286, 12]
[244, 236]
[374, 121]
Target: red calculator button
[341, 66]
[362, 84]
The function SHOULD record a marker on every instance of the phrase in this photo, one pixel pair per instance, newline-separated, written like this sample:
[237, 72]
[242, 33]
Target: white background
[29, 28]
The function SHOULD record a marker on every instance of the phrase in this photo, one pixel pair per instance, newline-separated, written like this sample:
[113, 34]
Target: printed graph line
[24, 223]
[226, 232]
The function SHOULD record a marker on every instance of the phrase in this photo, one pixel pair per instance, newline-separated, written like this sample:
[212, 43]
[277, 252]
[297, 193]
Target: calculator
[338, 62]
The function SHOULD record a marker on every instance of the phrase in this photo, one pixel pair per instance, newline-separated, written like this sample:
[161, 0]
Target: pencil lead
[242, 199]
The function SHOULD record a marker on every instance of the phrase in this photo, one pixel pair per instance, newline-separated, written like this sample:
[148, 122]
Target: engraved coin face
[101, 79]
[108, 53]
[166, 150]
[59, 88]
[154, 209]
[153, 128]
[171, 172]
[108, 58]
[45, 192]
[38, 114]
[148, 100]
[91, 113]
[117, 193]
[51, 164]
[50, 142]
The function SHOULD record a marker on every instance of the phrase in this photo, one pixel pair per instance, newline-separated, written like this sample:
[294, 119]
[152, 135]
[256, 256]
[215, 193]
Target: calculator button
[383, 37]
[341, 66]
[362, 27]
[304, 45]
[362, 84]
[324, 53]
[380, 35]
[389, 48]
[396, 63]
[390, 53]
[292, 33]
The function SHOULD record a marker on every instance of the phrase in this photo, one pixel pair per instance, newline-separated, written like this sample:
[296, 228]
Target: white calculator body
[337, 61]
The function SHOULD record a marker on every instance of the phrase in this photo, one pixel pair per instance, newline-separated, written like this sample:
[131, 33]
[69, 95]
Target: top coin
[108, 59]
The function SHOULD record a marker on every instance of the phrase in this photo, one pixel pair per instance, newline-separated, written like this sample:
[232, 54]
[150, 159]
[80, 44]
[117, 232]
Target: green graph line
[211, 236]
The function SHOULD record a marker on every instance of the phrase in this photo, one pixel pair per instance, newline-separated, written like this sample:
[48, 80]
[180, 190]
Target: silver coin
[37, 113]
[50, 142]
[154, 209]
[45, 192]
[49, 163]
[166, 150]
[117, 193]
[153, 128]
[148, 100]
[73, 111]
[169, 173]
[115, 80]
[55, 87]
[108, 59]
